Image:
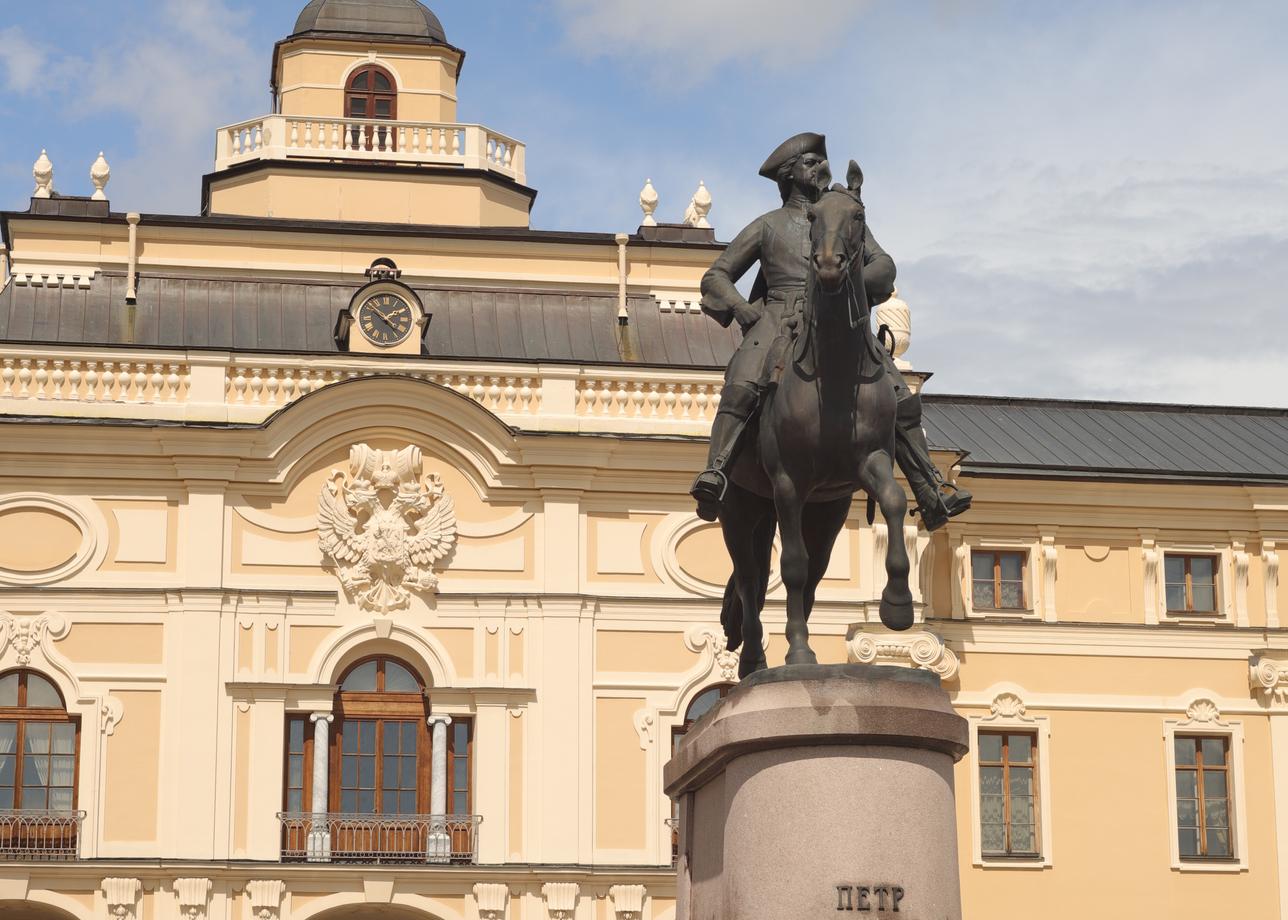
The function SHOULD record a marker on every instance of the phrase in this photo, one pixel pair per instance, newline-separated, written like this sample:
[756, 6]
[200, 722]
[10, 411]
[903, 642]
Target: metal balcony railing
[36, 835]
[280, 137]
[403, 839]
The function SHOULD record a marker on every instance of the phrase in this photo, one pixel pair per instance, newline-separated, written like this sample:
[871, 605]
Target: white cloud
[684, 40]
[22, 59]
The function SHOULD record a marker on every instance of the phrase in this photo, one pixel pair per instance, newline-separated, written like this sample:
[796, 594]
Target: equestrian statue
[813, 408]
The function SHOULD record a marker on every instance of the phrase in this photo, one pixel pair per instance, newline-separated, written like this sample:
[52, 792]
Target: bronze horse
[825, 431]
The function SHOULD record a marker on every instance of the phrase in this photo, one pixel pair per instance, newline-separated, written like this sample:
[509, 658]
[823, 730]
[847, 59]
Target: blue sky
[1084, 199]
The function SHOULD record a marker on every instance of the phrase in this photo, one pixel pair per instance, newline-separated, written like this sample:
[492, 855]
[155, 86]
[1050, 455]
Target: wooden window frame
[997, 554]
[1188, 610]
[22, 715]
[1035, 793]
[306, 793]
[371, 137]
[1199, 769]
[380, 706]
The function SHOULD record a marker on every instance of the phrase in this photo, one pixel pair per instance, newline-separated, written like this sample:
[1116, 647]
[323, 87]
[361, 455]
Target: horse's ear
[854, 177]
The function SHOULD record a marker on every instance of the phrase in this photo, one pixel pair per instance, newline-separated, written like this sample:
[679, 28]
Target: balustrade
[40, 835]
[636, 398]
[399, 839]
[274, 137]
[69, 380]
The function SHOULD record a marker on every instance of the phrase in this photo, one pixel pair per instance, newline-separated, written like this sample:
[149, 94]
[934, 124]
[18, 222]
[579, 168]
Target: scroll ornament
[384, 526]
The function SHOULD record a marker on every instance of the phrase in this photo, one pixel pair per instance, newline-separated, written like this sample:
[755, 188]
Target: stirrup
[700, 493]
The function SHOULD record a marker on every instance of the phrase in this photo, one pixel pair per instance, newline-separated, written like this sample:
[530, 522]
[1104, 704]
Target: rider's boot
[937, 500]
[737, 403]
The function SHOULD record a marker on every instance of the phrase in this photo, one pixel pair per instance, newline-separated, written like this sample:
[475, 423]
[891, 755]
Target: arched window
[371, 94]
[38, 745]
[380, 771]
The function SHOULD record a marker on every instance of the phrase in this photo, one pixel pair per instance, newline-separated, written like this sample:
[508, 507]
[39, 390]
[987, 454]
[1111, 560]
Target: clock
[385, 319]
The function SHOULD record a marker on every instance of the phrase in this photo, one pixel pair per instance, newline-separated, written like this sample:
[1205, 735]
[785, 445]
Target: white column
[320, 833]
[440, 841]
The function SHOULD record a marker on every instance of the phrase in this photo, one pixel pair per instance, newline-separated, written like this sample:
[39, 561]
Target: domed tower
[364, 129]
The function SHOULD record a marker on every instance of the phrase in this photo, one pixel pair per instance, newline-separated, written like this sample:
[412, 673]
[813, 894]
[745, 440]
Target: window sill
[1210, 865]
[1013, 862]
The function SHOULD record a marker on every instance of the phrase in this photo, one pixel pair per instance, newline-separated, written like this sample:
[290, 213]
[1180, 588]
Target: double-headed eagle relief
[384, 525]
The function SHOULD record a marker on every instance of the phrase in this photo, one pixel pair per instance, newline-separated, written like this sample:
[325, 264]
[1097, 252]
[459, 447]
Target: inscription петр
[877, 898]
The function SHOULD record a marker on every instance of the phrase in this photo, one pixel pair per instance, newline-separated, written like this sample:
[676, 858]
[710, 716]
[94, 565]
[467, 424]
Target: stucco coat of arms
[384, 526]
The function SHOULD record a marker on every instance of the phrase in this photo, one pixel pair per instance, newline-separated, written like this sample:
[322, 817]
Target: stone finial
[99, 174]
[648, 204]
[699, 207]
[895, 315]
[43, 172]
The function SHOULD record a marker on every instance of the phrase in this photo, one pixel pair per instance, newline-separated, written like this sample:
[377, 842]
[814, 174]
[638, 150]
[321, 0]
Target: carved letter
[882, 893]
[863, 898]
[844, 897]
[898, 896]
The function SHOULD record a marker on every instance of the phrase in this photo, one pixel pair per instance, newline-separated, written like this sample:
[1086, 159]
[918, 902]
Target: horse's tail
[731, 616]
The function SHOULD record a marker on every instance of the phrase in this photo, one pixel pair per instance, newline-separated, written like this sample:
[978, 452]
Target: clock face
[385, 319]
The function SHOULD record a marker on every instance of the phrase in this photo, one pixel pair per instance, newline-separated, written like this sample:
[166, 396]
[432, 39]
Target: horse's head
[836, 232]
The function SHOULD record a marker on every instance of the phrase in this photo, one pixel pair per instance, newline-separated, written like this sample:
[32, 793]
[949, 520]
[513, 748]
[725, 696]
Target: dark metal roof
[403, 18]
[1050, 437]
[300, 317]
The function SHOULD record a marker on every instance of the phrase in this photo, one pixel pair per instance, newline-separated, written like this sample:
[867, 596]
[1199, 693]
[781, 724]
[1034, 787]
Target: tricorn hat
[790, 149]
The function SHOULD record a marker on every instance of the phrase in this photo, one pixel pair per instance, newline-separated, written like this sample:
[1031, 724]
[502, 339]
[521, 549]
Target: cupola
[364, 129]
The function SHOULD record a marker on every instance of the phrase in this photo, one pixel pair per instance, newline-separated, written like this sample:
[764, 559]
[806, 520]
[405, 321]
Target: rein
[858, 316]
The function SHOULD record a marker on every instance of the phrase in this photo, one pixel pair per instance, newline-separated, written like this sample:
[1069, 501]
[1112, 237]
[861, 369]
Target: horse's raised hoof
[896, 610]
[802, 656]
[748, 665]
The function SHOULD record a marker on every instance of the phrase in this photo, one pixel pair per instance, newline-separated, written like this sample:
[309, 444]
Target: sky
[1085, 200]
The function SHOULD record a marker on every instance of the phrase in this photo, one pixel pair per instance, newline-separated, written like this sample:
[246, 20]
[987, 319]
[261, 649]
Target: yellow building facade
[347, 567]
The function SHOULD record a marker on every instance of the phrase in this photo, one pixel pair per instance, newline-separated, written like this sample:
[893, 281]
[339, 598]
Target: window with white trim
[1207, 808]
[1011, 812]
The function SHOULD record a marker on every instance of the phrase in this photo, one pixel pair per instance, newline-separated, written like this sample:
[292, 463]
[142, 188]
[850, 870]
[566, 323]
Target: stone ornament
[384, 525]
[628, 901]
[1203, 710]
[921, 650]
[492, 899]
[265, 898]
[1008, 706]
[699, 207]
[27, 634]
[122, 897]
[705, 640]
[648, 204]
[100, 173]
[897, 317]
[193, 895]
[43, 173]
[1269, 676]
[561, 899]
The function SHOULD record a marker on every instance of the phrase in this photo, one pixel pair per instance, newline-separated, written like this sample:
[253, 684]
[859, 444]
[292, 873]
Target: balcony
[37, 836]
[380, 839]
[282, 137]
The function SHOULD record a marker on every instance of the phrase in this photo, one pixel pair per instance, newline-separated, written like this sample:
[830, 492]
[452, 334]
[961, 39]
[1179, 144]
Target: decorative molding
[265, 898]
[90, 548]
[917, 650]
[29, 634]
[1008, 706]
[665, 548]
[1152, 558]
[1270, 580]
[492, 898]
[716, 665]
[384, 525]
[193, 895]
[1049, 556]
[65, 276]
[1203, 711]
[122, 897]
[561, 899]
[645, 722]
[1241, 562]
[112, 710]
[628, 901]
[707, 640]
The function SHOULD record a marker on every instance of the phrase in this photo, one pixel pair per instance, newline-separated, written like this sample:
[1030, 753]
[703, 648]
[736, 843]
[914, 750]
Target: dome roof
[402, 18]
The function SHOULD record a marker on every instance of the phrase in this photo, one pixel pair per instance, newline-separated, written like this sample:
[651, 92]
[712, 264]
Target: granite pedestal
[821, 790]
